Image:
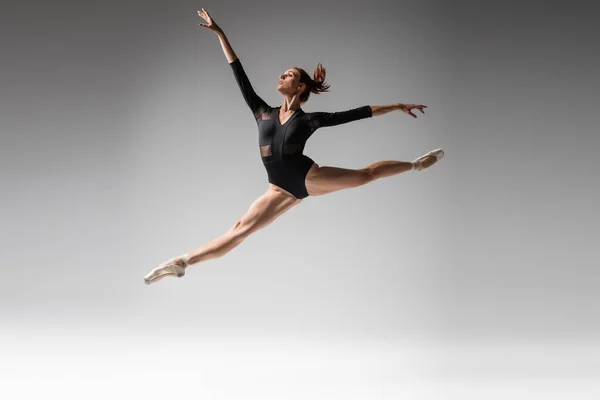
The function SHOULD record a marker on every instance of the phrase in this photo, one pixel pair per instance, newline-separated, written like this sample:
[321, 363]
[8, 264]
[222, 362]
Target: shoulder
[309, 114]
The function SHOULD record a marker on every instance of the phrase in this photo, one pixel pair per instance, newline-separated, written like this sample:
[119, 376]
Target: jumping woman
[282, 135]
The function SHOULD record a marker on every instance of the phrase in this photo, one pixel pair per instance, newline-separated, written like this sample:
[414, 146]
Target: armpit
[263, 115]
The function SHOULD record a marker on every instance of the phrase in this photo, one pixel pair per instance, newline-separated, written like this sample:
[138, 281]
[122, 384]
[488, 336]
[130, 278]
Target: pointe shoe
[418, 163]
[173, 267]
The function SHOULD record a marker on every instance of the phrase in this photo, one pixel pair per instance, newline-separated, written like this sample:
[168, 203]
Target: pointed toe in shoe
[437, 153]
[168, 268]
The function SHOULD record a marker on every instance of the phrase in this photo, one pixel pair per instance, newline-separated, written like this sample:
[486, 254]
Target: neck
[290, 103]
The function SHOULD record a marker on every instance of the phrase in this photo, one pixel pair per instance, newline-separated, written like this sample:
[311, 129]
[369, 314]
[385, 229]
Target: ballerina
[282, 135]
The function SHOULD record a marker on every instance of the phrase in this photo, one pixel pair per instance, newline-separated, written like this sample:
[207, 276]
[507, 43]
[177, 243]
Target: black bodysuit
[281, 145]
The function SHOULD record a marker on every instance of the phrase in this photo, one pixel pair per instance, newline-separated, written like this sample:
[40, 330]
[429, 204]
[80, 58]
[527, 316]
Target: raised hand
[407, 108]
[210, 24]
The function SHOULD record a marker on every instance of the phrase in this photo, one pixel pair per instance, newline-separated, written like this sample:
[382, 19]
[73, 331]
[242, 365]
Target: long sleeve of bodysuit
[322, 119]
[256, 104]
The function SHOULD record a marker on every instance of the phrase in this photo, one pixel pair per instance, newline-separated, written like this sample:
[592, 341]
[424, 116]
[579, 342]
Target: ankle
[186, 259]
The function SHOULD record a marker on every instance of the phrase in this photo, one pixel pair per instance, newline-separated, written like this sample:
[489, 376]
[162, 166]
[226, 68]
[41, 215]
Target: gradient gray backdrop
[125, 141]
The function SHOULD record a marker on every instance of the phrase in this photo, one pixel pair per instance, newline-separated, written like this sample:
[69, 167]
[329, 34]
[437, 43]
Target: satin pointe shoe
[173, 267]
[418, 163]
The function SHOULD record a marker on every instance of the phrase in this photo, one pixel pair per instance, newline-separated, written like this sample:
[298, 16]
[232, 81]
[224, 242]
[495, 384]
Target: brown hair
[316, 84]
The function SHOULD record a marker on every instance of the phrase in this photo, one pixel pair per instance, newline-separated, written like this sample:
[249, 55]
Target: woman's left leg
[323, 180]
[266, 209]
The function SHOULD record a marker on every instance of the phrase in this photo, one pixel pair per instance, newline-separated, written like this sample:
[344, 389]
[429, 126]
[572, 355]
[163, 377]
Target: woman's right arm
[229, 53]
[212, 25]
[256, 104]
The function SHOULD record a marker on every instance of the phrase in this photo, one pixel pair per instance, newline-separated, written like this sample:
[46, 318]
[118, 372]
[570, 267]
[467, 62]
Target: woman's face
[289, 82]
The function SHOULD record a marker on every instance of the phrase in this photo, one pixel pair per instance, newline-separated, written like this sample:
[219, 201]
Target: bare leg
[384, 169]
[323, 180]
[216, 248]
[261, 213]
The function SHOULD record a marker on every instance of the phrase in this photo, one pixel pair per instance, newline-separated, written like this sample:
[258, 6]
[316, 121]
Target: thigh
[265, 210]
[323, 180]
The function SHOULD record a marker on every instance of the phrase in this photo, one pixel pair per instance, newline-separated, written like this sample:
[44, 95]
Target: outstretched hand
[407, 108]
[212, 25]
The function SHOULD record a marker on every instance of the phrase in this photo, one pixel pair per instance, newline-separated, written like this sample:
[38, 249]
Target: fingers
[203, 14]
[419, 107]
[407, 108]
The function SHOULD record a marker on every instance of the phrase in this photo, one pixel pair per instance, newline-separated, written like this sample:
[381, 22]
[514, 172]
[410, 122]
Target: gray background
[125, 141]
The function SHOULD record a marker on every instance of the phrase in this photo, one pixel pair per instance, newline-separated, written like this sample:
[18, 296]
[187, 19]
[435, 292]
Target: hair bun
[320, 73]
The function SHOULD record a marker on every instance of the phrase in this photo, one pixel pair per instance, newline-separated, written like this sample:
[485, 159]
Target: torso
[282, 131]
[281, 137]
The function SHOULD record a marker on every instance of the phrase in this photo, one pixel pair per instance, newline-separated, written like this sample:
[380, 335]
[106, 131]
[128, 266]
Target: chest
[284, 116]
[279, 127]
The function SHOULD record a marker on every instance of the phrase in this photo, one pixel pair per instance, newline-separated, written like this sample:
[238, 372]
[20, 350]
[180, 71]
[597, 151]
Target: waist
[286, 158]
[288, 149]
[287, 161]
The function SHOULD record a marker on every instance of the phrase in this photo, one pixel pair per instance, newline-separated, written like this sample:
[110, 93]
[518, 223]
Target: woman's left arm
[406, 108]
[322, 119]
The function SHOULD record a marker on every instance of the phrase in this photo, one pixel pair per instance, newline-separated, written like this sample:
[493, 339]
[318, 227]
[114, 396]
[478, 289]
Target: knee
[368, 175]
